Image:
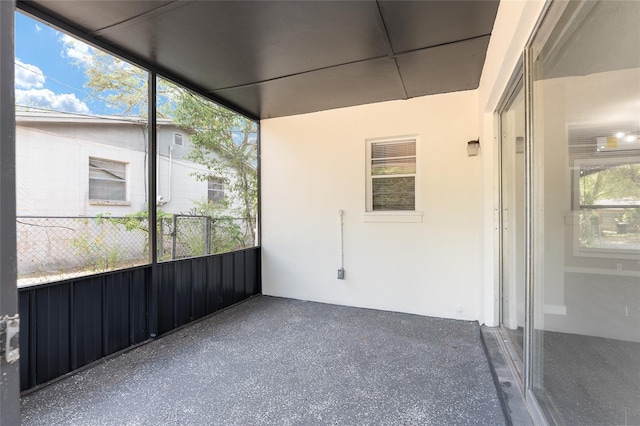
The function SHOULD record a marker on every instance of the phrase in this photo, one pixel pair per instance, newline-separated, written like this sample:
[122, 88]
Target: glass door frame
[517, 78]
[523, 71]
[522, 367]
[547, 22]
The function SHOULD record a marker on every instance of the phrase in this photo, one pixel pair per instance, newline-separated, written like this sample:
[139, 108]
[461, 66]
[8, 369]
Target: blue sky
[49, 74]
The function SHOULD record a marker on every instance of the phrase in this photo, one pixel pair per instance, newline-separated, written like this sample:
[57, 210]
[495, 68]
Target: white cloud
[77, 50]
[38, 28]
[28, 76]
[46, 99]
[84, 55]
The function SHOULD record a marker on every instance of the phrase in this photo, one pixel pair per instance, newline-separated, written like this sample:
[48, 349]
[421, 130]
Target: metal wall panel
[117, 311]
[52, 331]
[86, 321]
[198, 288]
[227, 281]
[214, 284]
[139, 288]
[73, 323]
[124, 321]
[238, 276]
[69, 324]
[193, 288]
[251, 268]
[166, 298]
[25, 325]
[182, 288]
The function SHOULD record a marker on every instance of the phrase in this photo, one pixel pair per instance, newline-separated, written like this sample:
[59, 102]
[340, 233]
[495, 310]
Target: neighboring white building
[79, 165]
[71, 169]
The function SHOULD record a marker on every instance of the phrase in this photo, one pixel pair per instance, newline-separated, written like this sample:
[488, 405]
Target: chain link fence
[57, 248]
[182, 236]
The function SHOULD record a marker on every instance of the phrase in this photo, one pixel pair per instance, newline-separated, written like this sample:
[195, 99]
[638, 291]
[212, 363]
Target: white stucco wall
[314, 164]
[313, 156]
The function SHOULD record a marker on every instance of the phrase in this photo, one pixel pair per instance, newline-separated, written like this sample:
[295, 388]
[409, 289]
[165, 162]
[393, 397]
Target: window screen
[107, 180]
[216, 189]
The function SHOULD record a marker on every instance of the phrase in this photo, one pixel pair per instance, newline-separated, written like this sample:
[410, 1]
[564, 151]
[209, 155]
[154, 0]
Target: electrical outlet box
[341, 274]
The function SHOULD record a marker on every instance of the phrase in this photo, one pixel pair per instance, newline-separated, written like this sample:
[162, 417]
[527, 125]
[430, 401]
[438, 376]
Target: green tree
[124, 87]
[221, 140]
[615, 183]
[226, 144]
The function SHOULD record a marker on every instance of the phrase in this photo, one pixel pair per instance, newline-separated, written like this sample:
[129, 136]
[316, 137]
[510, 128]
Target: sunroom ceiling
[278, 58]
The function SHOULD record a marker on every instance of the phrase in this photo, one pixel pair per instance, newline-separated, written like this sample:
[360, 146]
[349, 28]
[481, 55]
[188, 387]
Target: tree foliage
[613, 184]
[224, 142]
[123, 87]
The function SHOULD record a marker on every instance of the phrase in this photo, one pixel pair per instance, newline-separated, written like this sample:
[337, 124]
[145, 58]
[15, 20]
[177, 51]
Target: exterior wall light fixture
[473, 148]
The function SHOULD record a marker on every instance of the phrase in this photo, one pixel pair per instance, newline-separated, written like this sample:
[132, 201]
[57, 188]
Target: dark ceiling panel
[347, 85]
[448, 68]
[225, 44]
[273, 58]
[94, 15]
[417, 24]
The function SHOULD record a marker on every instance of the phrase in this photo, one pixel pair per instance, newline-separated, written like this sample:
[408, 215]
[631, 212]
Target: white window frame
[601, 252]
[178, 136]
[391, 216]
[97, 201]
[209, 190]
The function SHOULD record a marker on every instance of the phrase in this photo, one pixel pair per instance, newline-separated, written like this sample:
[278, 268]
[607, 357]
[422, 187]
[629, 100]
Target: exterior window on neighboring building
[391, 175]
[107, 180]
[216, 189]
[177, 139]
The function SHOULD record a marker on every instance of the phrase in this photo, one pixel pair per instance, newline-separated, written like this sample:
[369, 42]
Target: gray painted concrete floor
[286, 362]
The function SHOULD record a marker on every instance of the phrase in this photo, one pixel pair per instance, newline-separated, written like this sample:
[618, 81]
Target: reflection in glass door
[512, 124]
[586, 213]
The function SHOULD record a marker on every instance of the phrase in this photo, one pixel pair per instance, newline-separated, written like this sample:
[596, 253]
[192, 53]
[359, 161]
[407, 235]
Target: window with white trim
[107, 180]
[606, 197]
[177, 139]
[216, 189]
[391, 175]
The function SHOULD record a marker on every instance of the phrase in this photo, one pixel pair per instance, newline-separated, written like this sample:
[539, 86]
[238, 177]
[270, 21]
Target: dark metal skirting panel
[69, 324]
[192, 289]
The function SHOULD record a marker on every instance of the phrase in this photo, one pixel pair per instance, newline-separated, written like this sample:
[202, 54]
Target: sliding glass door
[585, 98]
